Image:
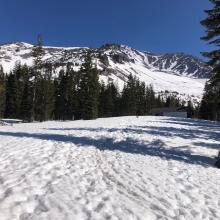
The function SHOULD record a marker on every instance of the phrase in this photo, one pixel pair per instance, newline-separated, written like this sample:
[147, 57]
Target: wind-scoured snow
[115, 168]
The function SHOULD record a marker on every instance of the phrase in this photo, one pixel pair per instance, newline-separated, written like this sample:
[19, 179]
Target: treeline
[34, 94]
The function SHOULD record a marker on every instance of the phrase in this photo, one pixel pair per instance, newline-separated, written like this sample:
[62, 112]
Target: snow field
[116, 168]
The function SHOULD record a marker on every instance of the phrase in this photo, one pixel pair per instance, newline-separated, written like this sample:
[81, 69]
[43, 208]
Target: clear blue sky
[150, 25]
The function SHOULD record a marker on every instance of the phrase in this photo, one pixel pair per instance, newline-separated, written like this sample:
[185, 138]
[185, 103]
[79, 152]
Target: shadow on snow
[202, 129]
[156, 148]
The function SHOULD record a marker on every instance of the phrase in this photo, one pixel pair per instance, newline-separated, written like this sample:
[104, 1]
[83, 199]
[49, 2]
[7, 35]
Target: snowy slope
[175, 73]
[117, 168]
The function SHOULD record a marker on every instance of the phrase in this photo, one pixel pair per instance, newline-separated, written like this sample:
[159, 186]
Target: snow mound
[116, 168]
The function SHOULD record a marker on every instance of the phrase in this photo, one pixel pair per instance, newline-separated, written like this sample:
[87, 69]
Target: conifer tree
[190, 109]
[141, 98]
[15, 84]
[2, 93]
[128, 99]
[66, 95]
[115, 99]
[108, 100]
[207, 108]
[25, 95]
[88, 89]
[44, 96]
[60, 96]
[39, 101]
[72, 96]
[102, 95]
[210, 106]
[22, 74]
[12, 102]
[150, 99]
[26, 108]
[43, 89]
[38, 52]
[48, 87]
[159, 101]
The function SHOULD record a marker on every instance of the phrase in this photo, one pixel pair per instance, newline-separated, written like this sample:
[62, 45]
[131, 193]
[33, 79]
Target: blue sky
[149, 25]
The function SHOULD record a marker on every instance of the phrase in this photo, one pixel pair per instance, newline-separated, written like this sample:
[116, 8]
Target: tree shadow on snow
[193, 122]
[182, 132]
[208, 145]
[156, 148]
[172, 131]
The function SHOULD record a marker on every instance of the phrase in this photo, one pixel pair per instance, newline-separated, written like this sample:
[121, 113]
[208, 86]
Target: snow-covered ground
[116, 168]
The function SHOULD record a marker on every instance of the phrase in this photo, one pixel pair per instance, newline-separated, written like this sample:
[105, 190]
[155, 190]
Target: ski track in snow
[116, 168]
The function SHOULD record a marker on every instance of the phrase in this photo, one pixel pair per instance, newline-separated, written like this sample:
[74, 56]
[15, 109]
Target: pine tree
[12, 102]
[15, 85]
[43, 89]
[141, 98]
[48, 93]
[22, 74]
[108, 100]
[159, 101]
[172, 101]
[88, 89]
[60, 96]
[26, 108]
[102, 99]
[115, 99]
[208, 106]
[136, 98]
[2, 92]
[72, 97]
[66, 95]
[211, 99]
[38, 52]
[129, 98]
[190, 109]
[150, 99]
[26, 93]
[44, 96]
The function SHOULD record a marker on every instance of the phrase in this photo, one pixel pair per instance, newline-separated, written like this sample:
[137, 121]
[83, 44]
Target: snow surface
[163, 81]
[116, 168]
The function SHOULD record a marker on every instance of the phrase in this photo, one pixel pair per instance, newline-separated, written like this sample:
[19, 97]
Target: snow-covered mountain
[180, 74]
